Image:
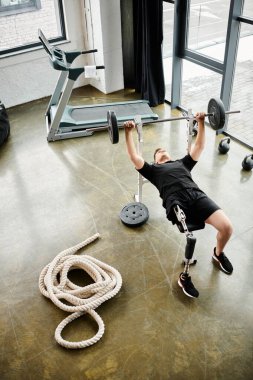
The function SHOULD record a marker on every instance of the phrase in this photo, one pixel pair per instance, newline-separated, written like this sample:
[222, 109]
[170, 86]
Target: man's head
[161, 156]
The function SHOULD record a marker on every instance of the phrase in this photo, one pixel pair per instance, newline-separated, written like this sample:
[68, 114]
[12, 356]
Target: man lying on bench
[174, 182]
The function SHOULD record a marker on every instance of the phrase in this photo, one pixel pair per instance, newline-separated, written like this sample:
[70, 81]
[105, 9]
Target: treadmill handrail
[60, 59]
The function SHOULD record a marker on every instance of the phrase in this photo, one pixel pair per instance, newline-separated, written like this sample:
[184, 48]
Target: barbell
[112, 127]
[215, 112]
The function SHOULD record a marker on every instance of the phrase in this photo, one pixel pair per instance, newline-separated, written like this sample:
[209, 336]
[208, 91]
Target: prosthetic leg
[190, 239]
[184, 280]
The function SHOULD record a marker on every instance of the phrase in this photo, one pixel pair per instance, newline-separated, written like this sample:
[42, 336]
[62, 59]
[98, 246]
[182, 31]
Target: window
[199, 85]
[8, 7]
[240, 125]
[19, 28]
[208, 26]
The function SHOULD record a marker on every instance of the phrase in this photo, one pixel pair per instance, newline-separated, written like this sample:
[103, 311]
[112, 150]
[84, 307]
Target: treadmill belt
[125, 111]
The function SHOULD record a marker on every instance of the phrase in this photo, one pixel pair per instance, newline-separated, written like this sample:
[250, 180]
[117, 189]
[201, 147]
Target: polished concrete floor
[55, 195]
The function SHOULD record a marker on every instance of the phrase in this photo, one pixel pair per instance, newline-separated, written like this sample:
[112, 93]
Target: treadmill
[64, 121]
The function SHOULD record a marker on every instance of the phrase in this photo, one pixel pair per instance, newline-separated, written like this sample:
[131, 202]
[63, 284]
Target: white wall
[104, 33]
[29, 76]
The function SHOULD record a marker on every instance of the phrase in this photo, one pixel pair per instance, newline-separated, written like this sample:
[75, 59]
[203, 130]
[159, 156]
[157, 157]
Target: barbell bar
[185, 118]
[215, 113]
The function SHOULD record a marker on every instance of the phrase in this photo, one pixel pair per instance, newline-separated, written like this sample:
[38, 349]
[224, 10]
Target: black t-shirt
[170, 177]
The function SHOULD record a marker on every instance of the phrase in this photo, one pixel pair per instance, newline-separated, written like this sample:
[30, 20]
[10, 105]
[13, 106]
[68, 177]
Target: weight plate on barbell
[216, 107]
[134, 214]
[113, 128]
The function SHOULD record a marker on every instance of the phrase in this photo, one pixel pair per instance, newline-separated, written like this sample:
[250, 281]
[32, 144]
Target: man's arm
[136, 159]
[199, 145]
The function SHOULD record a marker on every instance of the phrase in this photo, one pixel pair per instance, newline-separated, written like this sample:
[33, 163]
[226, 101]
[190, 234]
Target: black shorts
[196, 205]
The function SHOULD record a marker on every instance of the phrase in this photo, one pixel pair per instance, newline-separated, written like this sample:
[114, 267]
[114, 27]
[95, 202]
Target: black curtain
[148, 37]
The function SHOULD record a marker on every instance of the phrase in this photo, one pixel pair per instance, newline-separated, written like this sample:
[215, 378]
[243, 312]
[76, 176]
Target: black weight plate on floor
[134, 214]
[216, 107]
[113, 128]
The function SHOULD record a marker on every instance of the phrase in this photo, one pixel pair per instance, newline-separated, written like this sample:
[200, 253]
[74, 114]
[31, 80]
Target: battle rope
[55, 285]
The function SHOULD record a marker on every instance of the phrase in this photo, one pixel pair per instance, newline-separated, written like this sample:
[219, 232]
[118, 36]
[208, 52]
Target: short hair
[157, 149]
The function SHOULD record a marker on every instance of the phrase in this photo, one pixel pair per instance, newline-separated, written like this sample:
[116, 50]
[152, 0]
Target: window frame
[8, 10]
[31, 46]
[226, 68]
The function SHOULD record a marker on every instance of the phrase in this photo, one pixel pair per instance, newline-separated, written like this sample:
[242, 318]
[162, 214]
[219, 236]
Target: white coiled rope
[55, 285]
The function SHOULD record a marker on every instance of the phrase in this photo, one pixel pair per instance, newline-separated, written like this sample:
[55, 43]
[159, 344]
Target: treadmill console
[56, 55]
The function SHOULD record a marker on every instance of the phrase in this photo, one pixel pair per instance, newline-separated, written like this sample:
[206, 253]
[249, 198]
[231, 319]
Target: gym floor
[55, 195]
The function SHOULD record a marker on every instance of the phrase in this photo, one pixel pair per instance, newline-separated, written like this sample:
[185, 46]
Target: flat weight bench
[136, 214]
[187, 229]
